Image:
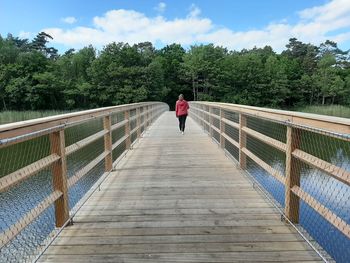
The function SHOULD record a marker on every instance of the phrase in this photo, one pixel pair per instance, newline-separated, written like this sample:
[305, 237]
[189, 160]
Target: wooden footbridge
[169, 197]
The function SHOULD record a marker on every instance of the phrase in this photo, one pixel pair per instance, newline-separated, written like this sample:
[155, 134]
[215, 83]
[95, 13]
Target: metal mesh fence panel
[81, 158]
[333, 194]
[268, 154]
[15, 206]
[48, 170]
[232, 133]
[304, 169]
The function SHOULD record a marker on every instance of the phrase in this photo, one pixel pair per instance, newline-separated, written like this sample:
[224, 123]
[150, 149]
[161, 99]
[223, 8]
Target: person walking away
[181, 110]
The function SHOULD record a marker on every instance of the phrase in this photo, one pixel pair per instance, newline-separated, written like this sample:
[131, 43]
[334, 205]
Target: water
[325, 189]
[18, 200]
[328, 191]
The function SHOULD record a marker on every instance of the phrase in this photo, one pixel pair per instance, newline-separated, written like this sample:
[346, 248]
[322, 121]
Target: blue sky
[230, 23]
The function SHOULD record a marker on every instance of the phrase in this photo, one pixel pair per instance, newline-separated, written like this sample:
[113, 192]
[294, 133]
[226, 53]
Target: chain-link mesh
[269, 154]
[316, 198]
[18, 200]
[328, 191]
[117, 135]
[45, 175]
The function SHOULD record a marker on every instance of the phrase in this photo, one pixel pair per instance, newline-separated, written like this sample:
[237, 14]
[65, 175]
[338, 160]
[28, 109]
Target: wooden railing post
[204, 115]
[127, 129]
[242, 141]
[108, 142]
[201, 115]
[59, 173]
[292, 175]
[210, 110]
[156, 112]
[148, 115]
[152, 113]
[144, 117]
[138, 122]
[222, 129]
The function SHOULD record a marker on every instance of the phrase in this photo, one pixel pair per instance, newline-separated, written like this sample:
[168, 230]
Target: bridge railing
[301, 160]
[48, 166]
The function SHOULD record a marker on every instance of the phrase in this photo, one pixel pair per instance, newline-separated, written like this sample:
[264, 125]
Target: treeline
[35, 76]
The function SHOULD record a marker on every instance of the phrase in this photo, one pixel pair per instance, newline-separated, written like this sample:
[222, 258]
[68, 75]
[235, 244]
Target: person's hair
[182, 96]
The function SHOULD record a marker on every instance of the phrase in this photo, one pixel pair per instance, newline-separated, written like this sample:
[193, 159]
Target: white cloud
[24, 34]
[315, 25]
[69, 20]
[328, 12]
[132, 27]
[194, 11]
[160, 7]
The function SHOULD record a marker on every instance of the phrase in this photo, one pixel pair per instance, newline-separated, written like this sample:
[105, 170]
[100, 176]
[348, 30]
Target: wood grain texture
[323, 122]
[24, 127]
[292, 175]
[59, 177]
[177, 198]
[242, 141]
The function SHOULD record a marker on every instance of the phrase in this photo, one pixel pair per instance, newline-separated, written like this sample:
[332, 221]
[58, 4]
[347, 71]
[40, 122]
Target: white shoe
[182, 133]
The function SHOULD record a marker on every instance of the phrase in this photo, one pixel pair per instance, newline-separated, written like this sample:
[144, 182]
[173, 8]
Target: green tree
[174, 83]
[201, 67]
[34, 76]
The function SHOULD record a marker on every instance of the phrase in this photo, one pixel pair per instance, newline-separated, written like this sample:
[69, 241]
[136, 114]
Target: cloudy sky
[230, 23]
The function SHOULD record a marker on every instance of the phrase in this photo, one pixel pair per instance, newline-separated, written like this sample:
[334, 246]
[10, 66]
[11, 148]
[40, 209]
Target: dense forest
[34, 76]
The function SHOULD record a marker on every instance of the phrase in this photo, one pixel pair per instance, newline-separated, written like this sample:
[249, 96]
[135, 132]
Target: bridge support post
[292, 175]
[148, 115]
[222, 129]
[108, 143]
[242, 141]
[210, 110]
[138, 122]
[127, 129]
[59, 173]
[201, 114]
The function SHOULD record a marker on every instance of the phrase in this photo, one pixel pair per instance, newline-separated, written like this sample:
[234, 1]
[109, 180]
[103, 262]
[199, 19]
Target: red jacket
[181, 108]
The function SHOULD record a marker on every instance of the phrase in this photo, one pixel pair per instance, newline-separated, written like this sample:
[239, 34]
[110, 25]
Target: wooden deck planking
[177, 198]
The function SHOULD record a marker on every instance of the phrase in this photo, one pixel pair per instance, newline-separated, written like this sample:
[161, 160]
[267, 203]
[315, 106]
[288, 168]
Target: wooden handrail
[328, 123]
[59, 152]
[336, 172]
[21, 174]
[29, 126]
[266, 139]
[230, 140]
[264, 165]
[87, 168]
[231, 123]
[327, 214]
[117, 143]
[84, 142]
[294, 122]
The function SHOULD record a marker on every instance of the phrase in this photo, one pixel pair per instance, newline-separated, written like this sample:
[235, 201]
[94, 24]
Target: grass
[331, 110]
[13, 116]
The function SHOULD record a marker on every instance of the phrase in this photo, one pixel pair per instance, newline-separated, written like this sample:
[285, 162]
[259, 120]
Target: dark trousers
[182, 121]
